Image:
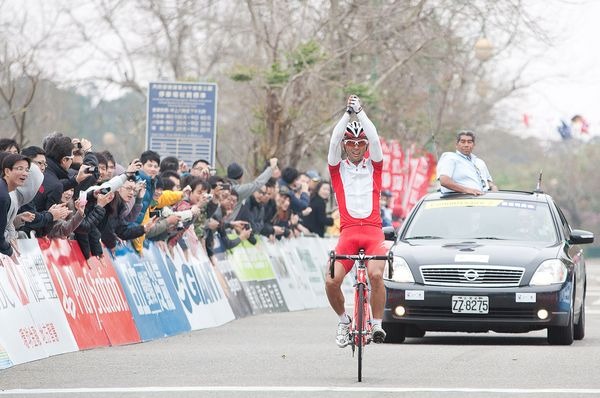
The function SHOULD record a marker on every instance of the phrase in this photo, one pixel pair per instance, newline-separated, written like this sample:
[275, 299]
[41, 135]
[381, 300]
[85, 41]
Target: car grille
[471, 275]
[495, 313]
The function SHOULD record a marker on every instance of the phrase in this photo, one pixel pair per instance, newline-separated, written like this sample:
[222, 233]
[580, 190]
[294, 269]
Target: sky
[568, 72]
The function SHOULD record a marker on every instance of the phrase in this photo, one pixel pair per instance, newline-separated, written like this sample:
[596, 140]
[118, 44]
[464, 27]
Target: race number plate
[470, 305]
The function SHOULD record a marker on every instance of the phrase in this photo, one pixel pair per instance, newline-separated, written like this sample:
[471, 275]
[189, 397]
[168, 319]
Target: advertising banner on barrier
[294, 266]
[203, 300]
[151, 295]
[258, 279]
[290, 288]
[311, 270]
[5, 361]
[231, 284]
[44, 305]
[18, 332]
[102, 284]
[66, 269]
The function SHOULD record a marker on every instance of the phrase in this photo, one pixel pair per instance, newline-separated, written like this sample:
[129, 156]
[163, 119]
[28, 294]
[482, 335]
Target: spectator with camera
[116, 226]
[43, 219]
[166, 221]
[59, 157]
[64, 228]
[235, 173]
[192, 210]
[201, 168]
[149, 174]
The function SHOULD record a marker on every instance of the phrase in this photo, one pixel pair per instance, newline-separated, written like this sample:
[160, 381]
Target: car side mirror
[389, 233]
[579, 237]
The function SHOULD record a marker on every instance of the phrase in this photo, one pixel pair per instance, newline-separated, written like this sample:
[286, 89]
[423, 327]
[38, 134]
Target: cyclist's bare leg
[333, 288]
[375, 270]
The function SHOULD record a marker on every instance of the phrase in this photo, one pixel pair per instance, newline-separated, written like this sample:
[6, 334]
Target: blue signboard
[152, 298]
[182, 120]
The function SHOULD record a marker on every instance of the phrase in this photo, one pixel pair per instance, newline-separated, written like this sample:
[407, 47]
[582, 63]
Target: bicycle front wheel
[360, 326]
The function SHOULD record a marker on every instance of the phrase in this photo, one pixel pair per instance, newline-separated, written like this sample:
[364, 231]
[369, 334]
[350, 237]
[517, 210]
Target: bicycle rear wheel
[360, 327]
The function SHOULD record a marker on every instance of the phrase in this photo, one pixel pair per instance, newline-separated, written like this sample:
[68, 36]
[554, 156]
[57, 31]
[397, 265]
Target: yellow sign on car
[436, 204]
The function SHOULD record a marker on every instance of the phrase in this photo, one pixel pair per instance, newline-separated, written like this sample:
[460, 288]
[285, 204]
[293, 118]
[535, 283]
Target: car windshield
[478, 218]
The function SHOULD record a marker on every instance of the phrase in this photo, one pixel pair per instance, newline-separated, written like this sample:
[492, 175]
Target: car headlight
[549, 272]
[402, 272]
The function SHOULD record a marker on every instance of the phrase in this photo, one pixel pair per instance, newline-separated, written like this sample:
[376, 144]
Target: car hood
[505, 253]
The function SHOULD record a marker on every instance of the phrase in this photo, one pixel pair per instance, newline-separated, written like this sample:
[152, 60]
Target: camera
[92, 169]
[105, 190]
[78, 145]
[154, 213]
[208, 196]
[226, 186]
[246, 226]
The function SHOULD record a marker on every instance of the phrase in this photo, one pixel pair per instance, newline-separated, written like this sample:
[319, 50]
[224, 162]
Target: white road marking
[121, 390]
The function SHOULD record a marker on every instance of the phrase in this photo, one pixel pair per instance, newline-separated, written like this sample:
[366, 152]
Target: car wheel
[562, 335]
[394, 333]
[579, 333]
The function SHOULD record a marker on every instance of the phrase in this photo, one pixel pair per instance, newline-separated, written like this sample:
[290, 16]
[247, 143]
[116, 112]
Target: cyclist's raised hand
[354, 103]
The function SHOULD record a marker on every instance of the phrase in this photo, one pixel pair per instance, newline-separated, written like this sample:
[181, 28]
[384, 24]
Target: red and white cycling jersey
[357, 190]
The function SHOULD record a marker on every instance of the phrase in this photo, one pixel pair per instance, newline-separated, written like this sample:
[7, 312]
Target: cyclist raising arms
[356, 181]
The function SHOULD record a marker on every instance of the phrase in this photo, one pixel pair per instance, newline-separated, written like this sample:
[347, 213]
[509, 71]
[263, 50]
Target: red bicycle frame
[361, 328]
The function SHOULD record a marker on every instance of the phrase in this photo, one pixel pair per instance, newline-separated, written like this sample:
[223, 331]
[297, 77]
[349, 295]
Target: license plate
[470, 305]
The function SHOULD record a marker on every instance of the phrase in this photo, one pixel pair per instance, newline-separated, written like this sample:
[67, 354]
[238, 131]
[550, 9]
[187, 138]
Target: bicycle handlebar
[364, 257]
[361, 257]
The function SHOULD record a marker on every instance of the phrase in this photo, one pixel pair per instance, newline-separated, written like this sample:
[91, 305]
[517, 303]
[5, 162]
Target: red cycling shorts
[354, 238]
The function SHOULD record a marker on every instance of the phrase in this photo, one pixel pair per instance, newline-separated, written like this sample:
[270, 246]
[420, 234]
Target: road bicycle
[361, 327]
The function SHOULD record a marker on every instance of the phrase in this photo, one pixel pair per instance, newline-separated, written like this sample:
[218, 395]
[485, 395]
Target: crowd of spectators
[66, 189]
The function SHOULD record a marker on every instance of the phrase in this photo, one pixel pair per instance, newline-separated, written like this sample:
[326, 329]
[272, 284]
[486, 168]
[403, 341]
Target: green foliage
[242, 73]
[367, 96]
[306, 55]
[277, 76]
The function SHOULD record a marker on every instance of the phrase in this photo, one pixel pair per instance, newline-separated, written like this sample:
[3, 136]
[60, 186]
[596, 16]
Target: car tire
[579, 332]
[562, 335]
[394, 333]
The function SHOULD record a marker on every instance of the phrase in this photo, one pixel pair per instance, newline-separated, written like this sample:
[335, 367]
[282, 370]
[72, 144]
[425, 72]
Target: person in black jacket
[59, 157]
[318, 219]
[115, 226]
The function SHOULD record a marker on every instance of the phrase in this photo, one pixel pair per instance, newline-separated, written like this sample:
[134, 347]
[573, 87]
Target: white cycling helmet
[354, 131]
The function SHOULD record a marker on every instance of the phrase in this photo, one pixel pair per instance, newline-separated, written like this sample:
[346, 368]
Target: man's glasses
[69, 157]
[21, 168]
[128, 189]
[39, 163]
[356, 143]
[262, 192]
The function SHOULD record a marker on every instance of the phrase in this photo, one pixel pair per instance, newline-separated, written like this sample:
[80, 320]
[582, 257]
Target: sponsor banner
[290, 288]
[66, 269]
[109, 299]
[269, 293]
[197, 287]
[5, 361]
[311, 270]
[294, 266]
[257, 278]
[222, 312]
[152, 298]
[232, 286]
[44, 305]
[19, 335]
